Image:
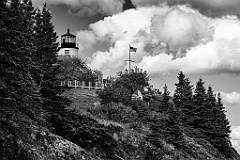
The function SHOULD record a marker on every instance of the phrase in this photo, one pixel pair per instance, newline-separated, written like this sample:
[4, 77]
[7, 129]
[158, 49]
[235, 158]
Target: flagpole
[129, 58]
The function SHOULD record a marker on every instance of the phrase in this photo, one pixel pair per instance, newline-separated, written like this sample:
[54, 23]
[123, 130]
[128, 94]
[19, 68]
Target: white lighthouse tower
[68, 46]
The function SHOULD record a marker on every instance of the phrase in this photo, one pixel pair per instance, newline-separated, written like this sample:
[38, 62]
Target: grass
[85, 100]
[82, 99]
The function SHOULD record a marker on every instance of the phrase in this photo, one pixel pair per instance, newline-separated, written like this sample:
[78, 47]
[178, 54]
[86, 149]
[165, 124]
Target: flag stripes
[132, 49]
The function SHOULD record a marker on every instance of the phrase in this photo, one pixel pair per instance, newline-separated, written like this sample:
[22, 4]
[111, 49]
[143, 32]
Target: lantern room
[68, 46]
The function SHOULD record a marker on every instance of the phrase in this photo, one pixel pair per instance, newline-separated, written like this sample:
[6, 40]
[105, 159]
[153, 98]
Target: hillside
[90, 134]
[133, 138]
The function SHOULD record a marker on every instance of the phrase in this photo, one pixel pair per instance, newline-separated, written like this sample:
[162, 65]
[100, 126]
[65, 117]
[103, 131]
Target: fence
[82, 84]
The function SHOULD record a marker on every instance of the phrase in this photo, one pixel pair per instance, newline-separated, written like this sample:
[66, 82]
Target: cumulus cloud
[232, 98]
[86, 39]
[194, 43]
[182, 28]
[235, 137]
[88, 7]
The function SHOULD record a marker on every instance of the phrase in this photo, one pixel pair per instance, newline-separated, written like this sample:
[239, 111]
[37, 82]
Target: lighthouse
[68, 46]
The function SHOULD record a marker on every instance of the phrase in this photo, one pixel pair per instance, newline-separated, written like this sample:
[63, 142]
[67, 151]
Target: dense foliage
[123, 86]
[75, 68]
[29, 65]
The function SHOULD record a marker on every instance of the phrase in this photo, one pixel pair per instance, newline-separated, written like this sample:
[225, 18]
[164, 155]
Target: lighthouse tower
[68, 46]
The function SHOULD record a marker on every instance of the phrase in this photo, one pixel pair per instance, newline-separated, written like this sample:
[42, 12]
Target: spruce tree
[199, 99]
[211, 100]
[174, 128]
[199, 93]
[178, 94]
[203, 119]
[165, 98]
[183, 97]
[213, 122]
[46, 56]
[16, 53]
[222, 129]
[183, 91]
[222, 119]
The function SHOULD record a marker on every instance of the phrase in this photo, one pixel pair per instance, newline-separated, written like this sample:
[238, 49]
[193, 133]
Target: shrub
[119, 112]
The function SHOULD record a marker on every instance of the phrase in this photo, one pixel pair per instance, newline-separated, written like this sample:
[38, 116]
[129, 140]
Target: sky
[199, 37]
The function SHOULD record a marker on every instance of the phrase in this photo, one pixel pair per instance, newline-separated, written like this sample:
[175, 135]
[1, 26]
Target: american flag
[132, 49]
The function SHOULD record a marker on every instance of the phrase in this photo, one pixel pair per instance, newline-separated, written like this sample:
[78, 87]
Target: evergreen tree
[183, 97]
[211, 100]
[166, 126]
[199, 93]
[165, 98]
[199, 99]
[46, 55]
[203, 119]
[174, 128]
[16, 52]
[222, 119]
[221, 137]
[183, 92]
[214, 122]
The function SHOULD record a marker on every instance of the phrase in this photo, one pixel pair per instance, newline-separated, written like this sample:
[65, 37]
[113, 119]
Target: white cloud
[212, 44]
[88, 7]
[235, 137]
[86, 39]
[232, 98]
[182, 27]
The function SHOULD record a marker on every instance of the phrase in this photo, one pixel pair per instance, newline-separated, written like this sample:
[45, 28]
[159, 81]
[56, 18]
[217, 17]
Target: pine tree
[211, 100]
[46, 55]
[174, 128]
[222, 129]
[178, 94]
[213, 122]
[199, 99]
[16, 53]
[204, 112]
[199, 93]
[183, 92]
[165, 98]
[222, 119]
[183, 97]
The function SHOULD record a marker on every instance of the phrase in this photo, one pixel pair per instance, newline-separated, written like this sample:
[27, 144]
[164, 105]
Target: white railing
[82, 84]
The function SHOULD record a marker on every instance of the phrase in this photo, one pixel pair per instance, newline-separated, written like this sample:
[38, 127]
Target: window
[67, 52]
